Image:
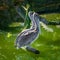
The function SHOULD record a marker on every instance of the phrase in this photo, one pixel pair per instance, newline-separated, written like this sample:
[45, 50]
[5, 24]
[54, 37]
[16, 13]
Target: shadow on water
[12, 29]
[49, 11]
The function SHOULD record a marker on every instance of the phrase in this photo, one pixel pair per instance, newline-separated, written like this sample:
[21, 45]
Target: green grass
[48, 43]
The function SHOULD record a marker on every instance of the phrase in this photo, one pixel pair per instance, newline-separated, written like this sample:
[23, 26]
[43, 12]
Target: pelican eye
[31, 13]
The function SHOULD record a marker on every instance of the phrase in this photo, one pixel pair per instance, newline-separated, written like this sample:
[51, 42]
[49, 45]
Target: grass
[48, 43]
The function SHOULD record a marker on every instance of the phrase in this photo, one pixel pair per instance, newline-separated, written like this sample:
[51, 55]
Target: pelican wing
[26, 32]
[25, 37]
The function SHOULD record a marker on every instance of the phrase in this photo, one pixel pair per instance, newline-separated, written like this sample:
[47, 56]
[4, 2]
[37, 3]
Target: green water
[48, 43]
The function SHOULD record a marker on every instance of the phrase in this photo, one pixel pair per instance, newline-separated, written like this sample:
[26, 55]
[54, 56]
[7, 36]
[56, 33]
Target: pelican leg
[28, 48]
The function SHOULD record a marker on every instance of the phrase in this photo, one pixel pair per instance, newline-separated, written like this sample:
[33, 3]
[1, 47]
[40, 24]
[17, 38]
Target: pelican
[27, 36]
